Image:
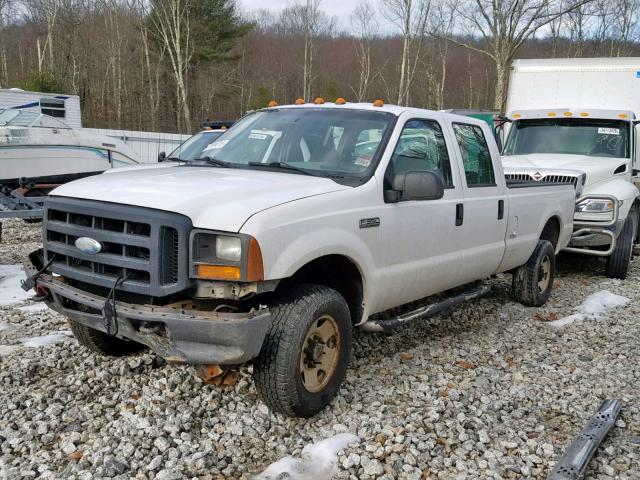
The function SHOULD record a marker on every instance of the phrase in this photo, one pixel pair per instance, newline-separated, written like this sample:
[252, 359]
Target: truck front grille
[148, 248]
[526, 177]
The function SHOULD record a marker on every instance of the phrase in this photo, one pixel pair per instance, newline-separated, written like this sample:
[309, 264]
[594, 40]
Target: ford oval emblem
[88, 245]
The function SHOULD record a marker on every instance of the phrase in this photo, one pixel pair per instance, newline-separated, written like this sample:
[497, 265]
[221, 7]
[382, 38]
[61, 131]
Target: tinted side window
[421, 147]
[476, 156]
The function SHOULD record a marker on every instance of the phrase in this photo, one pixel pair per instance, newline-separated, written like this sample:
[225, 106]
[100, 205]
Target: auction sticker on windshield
[609, 131]
[215, 145]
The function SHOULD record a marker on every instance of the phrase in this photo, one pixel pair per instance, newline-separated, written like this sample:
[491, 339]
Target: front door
[421, 240]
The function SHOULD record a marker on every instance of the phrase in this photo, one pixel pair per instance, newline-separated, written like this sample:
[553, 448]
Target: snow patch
[7, 349]
[593, 306]
[11, 291]
[44, 340]
[36, 307]
[318, 461]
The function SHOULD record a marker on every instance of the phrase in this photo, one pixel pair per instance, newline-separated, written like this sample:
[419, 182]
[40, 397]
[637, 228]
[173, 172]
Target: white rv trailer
[66, 108]
[575, 120]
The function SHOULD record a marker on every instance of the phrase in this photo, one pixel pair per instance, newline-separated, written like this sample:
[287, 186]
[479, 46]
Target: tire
[102, 343]
[618, 262]
[305, 323]
[533, 281]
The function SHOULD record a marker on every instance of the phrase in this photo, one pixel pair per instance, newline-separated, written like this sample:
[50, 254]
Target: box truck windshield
[573, 136]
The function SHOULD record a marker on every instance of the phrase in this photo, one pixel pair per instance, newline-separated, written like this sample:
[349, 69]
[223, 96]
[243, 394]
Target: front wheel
[618, 262]
[533, 281]
[305, 354]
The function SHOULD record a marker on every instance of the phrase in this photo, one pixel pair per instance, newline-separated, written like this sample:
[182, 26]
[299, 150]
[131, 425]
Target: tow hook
[218, 375]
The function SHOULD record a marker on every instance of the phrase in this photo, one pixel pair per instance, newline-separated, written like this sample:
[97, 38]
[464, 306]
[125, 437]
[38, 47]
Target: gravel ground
[486, 391]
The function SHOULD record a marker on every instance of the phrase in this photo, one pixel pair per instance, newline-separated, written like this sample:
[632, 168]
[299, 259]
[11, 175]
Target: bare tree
[365, 29]
[172, 27]
[504, 26]
[624, 20]
[410, 16]
[309, 22]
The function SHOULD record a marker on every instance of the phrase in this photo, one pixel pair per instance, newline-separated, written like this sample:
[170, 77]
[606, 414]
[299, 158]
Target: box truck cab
[574, 121]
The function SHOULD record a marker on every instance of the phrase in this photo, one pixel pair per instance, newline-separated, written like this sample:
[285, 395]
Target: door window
[421, 147]
[476, 157]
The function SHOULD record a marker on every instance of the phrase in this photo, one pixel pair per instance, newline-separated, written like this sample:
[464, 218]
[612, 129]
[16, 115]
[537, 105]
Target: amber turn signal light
[218, 272]
[255, 268]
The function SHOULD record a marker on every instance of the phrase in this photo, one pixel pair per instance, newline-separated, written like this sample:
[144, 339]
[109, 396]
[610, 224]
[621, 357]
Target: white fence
[146, 144]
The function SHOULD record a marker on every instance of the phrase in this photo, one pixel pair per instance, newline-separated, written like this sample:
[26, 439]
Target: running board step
[425, 311]
[573, 464]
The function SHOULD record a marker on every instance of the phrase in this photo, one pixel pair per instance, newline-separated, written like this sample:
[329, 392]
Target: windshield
[17, 118]
[576, 136]
[195, 147]
[319, 141]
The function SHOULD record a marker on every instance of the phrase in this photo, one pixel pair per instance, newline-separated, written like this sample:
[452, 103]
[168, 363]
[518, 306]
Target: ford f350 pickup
[301, 223]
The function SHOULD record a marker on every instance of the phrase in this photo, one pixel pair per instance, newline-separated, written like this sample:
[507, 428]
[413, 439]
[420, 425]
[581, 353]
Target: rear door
[483, 212]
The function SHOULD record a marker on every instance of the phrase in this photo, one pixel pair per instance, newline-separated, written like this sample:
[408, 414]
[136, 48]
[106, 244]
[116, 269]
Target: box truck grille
[526, 177]
[147, 248]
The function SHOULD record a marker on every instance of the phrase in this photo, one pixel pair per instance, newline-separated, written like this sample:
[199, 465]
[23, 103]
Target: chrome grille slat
[526, 177]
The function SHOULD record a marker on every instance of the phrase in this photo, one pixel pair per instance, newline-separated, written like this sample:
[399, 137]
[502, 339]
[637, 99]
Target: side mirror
[162, 156]
[420, 185]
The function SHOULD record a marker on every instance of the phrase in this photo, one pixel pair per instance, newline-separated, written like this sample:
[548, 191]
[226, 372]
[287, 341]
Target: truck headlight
[228, 248]
[220, 256]
[594, 205]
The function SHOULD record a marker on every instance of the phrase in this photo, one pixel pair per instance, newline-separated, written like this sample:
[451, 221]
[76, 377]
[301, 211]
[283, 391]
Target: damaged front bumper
[176, 334]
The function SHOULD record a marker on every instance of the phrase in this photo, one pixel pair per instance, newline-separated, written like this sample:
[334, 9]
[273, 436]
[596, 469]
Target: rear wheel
[618, 262]
[306, 352]
[533, 281]
[102, 343]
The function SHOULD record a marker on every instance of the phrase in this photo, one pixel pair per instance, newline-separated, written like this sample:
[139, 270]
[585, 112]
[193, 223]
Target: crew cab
[302, 223]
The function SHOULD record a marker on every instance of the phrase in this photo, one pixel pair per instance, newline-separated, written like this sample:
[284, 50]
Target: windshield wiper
[175, 159]
[215, 161]
[281, 166]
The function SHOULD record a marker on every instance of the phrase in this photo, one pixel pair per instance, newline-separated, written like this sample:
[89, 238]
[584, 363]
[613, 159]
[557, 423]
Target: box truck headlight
[595, 206]
[219, 256]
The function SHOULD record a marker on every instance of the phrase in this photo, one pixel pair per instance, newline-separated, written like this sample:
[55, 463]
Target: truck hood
[213, 198]
[597, 169]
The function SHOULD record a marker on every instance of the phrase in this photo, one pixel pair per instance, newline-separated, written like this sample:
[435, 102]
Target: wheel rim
[320, 354]
[545, 274]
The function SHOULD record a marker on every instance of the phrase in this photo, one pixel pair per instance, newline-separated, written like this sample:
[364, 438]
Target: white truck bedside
[574, 120]
[301, 223]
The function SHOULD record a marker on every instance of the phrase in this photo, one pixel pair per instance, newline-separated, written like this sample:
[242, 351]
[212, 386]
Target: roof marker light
[340, 101]
[567, 114]
[516, 115]
[319, 101]
[623, 115]
[551, 114]
[378, 103]
[273, 103]
[299, 101]
[584, 114]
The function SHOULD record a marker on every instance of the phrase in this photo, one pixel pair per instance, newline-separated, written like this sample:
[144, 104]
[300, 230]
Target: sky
[340, 8]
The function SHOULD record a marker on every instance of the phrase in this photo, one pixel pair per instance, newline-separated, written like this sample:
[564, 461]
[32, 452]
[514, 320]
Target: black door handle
[459, 214]
[500, 209]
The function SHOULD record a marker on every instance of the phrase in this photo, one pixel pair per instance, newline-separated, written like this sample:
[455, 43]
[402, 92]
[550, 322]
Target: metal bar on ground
[573, 464]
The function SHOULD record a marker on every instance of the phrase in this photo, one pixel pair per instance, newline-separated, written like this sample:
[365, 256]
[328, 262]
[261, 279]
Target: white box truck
[574, 120]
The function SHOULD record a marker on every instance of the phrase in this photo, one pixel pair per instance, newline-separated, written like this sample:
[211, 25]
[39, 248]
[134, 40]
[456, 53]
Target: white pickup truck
[572, 120]
[300, 224]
